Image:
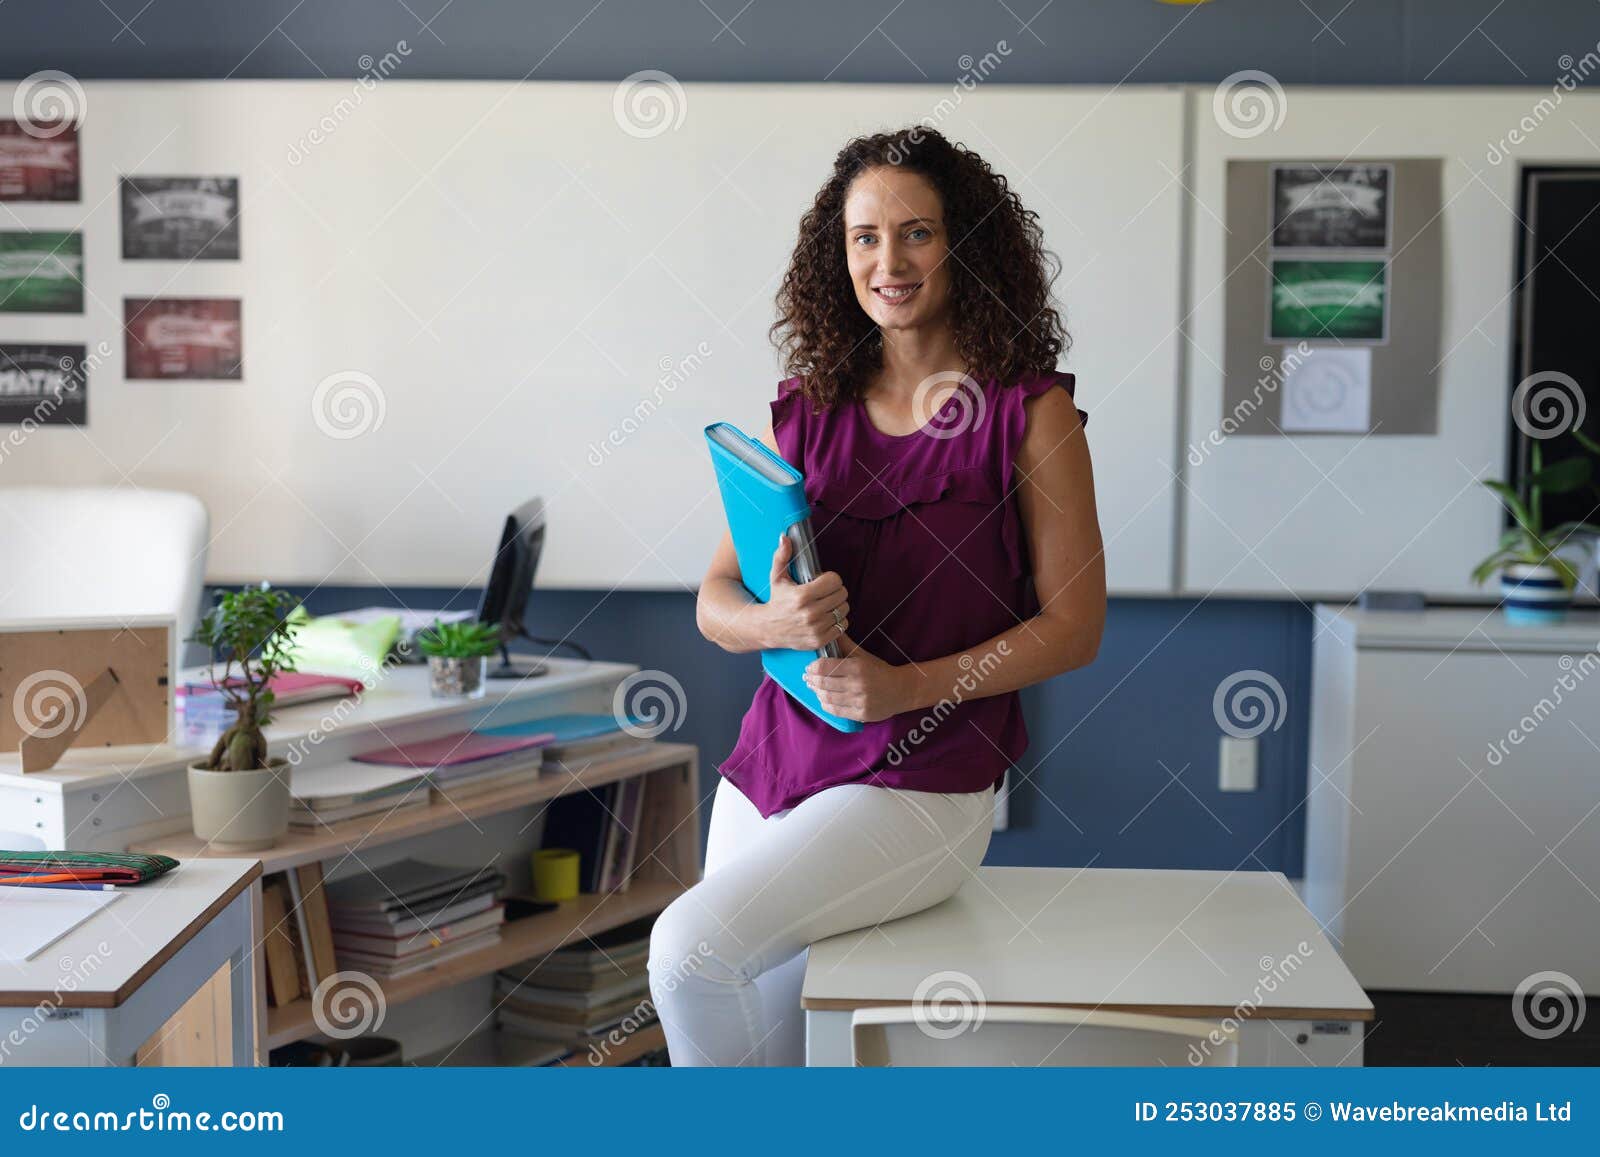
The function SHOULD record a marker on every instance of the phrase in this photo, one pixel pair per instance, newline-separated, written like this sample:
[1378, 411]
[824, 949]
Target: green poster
[1330, 298]
[41, 272]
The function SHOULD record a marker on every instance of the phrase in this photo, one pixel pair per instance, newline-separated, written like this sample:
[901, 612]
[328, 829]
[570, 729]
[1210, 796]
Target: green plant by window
[1529, 541]
[248, 629]
[468, 639]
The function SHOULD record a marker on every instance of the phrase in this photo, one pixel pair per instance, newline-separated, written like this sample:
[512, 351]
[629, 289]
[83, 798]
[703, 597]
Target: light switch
[1237, 764]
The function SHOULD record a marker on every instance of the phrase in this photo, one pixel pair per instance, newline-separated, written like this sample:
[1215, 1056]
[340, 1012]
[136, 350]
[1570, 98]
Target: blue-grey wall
[1122, 770]
[1081, 41]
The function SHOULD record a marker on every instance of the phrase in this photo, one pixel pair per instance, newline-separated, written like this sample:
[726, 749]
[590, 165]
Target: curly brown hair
[1000, 273]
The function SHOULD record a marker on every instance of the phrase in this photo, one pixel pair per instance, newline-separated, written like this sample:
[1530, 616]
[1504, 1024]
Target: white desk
[106, 798]
[1174, 943]
[1453, 816]
[97, 994]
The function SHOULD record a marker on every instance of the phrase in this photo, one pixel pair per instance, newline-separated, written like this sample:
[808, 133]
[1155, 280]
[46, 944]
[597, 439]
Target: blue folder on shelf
[765, 497]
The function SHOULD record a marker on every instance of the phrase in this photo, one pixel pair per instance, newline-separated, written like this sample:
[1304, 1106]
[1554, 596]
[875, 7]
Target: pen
[80, 885]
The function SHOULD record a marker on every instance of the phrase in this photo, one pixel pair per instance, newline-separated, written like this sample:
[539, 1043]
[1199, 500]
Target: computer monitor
[505, 595]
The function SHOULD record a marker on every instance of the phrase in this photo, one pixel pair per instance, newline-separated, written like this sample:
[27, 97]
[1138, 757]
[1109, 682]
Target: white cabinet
[1453, 798]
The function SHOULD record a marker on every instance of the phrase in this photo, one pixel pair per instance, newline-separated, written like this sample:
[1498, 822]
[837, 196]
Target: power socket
[1237, 764]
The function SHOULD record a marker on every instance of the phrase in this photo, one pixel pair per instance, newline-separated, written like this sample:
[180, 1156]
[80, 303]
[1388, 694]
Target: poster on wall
[1331, 299]
[1343, 206]
[38, 162]
[183, 338]
[43, 384]
[41, 272]
[1330, 390]
[180, 218]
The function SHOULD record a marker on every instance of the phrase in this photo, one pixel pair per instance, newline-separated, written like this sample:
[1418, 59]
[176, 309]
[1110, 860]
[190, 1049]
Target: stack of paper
[340, 791]
[582, 991]
[465, 763]
[412, 915]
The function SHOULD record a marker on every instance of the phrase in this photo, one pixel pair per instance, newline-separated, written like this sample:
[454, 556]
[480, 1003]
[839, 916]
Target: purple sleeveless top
[925, 531]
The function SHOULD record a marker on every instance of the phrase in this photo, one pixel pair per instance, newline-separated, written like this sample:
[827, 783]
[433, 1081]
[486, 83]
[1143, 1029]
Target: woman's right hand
[801, 616]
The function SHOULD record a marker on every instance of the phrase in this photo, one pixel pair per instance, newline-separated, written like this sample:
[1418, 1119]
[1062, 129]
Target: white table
[1211, 945]
[97, 994]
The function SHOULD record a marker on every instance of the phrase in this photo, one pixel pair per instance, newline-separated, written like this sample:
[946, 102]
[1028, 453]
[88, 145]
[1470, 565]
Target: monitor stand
[509, 670]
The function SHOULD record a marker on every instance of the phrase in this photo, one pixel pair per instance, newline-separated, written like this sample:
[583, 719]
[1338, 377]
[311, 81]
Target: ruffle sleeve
[1013, 428]
[788, 422]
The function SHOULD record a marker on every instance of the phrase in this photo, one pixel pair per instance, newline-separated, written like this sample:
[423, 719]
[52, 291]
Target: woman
[953, 501]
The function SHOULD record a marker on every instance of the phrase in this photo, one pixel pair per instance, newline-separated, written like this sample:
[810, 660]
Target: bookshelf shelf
[519, 941]
[304, 845]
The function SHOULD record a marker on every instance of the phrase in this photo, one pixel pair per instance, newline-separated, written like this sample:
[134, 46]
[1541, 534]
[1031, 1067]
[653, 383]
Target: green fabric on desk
[112, 867]
[327, 645]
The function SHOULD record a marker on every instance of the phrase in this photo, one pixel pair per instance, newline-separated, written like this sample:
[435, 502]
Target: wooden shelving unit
[668, 862]
[523, 940]
[304, 845]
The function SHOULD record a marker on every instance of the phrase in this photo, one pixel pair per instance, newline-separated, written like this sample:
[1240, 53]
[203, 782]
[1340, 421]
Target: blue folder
[765, 497]
[565, 728]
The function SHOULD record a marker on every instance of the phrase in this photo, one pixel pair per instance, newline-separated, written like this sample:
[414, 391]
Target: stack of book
[297, 936]
[463, 764]
[580, 993]
[575, 740]
[412, 915]
[341, 791]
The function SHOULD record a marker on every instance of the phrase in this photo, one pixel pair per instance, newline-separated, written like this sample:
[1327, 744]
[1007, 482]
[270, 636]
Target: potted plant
[238, 794]
[458, 654]
[1535, 581]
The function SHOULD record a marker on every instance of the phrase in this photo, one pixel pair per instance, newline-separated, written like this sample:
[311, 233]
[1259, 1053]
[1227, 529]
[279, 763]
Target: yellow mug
[555, 874]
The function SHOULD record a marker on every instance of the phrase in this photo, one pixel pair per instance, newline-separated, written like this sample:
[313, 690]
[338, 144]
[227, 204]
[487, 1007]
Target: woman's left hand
[862, 686]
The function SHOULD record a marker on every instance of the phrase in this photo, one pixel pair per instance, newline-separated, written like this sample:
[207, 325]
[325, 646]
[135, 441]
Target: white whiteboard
[1326, 516]
[514, 272]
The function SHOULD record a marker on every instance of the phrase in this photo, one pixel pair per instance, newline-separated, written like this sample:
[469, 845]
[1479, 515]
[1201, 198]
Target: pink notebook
[451, 750]
[288, 687]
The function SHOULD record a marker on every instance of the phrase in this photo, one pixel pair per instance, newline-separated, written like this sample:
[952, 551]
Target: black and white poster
[1337, 206]
[47, 385]
[180, 218]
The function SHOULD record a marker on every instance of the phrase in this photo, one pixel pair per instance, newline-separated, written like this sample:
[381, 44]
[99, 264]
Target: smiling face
[896, 245]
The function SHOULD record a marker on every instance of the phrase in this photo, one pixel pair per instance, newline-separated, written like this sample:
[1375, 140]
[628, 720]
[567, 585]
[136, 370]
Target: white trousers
[727, 958]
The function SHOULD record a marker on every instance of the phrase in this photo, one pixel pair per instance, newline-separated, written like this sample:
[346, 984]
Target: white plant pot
[240, 811]
[1532, 594]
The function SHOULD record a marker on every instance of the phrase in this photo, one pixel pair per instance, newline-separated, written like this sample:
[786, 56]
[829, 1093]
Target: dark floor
[1429, 1028]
